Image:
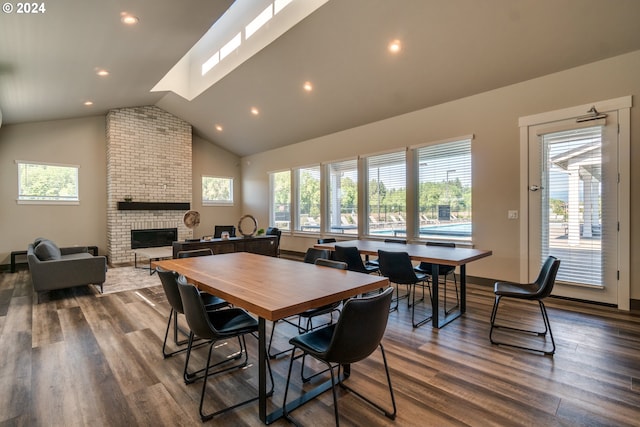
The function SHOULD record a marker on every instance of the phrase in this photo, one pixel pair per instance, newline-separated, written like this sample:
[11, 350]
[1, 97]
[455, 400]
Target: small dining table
[272, 288]
[458, 257]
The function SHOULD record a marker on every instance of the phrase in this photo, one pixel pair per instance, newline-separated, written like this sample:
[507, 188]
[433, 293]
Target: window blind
[387, 194]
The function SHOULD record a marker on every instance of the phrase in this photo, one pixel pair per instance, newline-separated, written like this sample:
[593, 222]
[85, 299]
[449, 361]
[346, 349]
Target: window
[217, 190]
[307, 187]
[444, 190]
[47, 183]
[343, 196]
[280, 190]
[387, 194]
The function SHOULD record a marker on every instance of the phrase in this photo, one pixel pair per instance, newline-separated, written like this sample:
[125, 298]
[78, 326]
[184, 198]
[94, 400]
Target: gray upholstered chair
[53, 268]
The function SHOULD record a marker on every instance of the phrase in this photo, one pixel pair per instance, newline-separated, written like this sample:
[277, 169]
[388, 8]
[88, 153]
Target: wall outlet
[512, 214]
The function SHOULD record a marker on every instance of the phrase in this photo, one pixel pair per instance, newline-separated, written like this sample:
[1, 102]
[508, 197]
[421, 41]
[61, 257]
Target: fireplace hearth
[153, 238]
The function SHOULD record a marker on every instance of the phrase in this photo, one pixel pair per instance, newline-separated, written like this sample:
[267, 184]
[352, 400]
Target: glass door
[573, 205]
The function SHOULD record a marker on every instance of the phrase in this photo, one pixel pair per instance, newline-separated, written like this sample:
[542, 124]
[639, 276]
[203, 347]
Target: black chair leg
[413, 309]
[191, 377]
[207, 417]
[390, 415]
[547, 329]
[455, 282]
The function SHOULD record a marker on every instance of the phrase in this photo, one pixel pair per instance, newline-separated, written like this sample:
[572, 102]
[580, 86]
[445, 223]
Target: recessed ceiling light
[102, 73]
[395, 46]
[219, 128]
[307, 86]
[128, 19]
[88, 103]
[255, 111]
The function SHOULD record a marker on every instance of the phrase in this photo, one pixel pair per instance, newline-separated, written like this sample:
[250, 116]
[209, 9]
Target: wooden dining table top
[418, 252]
[269, 287]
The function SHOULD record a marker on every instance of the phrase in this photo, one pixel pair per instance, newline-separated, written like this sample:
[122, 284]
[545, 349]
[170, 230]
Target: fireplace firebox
[153, 238]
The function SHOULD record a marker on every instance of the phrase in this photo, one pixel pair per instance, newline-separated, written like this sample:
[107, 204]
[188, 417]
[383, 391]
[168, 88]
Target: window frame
[35, 200]
[273, 221]
[462, 239]
[220, 202]
[367, 226]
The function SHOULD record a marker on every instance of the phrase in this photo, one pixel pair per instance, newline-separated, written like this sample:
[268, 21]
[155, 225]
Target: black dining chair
[195, 253]
[353, 338]
[397, 267]
[443, 270]
[351, 255]
[398, 241]
[275, 231]
[311, 257]
[214, 326]
[536, 291]
[218, 229]
[169, 281]
[326, 240]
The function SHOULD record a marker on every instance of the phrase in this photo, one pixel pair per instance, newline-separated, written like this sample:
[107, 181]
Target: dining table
[272, 288]
[436, 255]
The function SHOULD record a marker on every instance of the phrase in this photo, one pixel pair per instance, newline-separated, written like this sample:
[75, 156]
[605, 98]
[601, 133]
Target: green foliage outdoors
[218, 189]
[48, 182]
[381, 199]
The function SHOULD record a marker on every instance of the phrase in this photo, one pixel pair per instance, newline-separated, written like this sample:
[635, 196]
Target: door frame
[623, 106]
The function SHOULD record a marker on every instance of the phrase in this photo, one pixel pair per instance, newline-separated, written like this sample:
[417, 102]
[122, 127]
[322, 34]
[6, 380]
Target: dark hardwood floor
[80, 358]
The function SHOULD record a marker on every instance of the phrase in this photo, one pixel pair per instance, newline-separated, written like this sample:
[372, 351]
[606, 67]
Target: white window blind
[573, 205]
[343, 196]
[444, 190]
[387, 194]
[308, 199]
[280, 183]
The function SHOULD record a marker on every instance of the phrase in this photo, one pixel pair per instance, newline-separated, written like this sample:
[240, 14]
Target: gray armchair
[59, 268]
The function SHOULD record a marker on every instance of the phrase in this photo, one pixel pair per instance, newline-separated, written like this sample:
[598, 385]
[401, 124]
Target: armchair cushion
[46, 250]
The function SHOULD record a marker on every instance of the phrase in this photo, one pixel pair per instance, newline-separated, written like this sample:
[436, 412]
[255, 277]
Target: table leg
[463, 288]
[262, 370]
[435, 302]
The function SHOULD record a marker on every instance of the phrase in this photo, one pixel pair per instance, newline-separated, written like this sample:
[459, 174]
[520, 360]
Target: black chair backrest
[313, 254]
[169, 280]
[401, 241]
[443, 269]
[397, 267]
[327, 240]
[350, 255]
[547, 277]
[217, 232]
[360, 328]
[332, 263]
[274, 231]
[195, 253]
[194, 310]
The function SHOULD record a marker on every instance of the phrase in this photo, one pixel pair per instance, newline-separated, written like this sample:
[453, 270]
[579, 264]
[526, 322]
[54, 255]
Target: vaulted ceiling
[450, 49]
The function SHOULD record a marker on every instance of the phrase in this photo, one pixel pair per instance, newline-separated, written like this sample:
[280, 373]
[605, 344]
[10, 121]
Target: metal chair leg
[547, 329]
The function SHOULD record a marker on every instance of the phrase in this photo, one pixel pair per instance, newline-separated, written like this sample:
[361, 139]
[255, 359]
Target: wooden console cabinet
[261, 245]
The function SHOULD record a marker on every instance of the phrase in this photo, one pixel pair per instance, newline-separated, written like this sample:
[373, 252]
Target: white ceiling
[451, 49]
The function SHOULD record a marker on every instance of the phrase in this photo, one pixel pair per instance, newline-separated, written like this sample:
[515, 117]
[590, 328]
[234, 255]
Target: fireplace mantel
[153, 206]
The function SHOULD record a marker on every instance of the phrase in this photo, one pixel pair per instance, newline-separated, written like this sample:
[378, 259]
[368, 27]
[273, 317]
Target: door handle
[535, 188]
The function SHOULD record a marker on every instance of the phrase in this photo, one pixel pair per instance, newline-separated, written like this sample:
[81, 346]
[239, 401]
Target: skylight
[244, 29]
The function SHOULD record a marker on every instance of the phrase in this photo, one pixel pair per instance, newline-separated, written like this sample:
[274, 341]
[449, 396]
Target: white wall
[82, 142]
[76, 142]
[211, 160]
[493, 118]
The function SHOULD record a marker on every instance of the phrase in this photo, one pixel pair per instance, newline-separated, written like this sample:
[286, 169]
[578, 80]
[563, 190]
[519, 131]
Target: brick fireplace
[149, 160]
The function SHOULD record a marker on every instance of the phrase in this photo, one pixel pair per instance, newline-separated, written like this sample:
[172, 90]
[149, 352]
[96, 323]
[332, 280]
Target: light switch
[512, 214]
